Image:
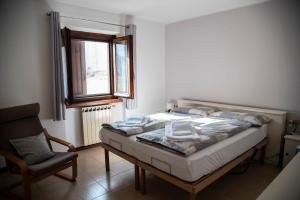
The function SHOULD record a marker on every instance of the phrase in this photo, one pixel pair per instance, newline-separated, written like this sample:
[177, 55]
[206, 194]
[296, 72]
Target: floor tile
[119, 181]
[94, 182]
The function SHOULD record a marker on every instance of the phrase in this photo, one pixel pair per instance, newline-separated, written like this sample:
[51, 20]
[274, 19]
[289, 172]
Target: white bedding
[189, 168]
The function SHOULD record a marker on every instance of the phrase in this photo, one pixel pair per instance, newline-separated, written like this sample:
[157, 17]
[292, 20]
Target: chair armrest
[60, 141]
[14, 159]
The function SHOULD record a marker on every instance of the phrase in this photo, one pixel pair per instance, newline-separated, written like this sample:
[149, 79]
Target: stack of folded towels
[183, 131]
[134, 124]
[134, 121]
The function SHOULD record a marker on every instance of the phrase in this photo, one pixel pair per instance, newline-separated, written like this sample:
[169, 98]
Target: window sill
[93, 103]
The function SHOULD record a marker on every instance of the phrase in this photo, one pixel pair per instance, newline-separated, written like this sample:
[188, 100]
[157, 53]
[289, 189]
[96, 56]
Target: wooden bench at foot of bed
[192, 187]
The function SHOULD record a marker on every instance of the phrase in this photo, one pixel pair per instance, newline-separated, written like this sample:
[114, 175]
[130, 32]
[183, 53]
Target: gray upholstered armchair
[20, 122]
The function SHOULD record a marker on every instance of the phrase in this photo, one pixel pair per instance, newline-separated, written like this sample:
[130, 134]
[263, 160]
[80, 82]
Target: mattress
[189, 168]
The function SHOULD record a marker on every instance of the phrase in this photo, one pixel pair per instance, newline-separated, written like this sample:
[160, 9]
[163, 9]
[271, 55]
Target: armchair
[23, 121]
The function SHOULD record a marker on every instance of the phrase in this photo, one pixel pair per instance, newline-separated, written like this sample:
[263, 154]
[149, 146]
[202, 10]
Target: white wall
[248, 56]
[79, 12]
[25, 70]
[150, 47]
[25, 65]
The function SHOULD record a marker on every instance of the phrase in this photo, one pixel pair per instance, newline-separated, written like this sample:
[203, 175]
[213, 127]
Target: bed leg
[193, 196]
[143, 181]
[106, 155]
[262, 154]
[137, 177]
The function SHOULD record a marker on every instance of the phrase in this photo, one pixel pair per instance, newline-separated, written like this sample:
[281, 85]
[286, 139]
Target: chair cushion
[57, 160]
[33, 149]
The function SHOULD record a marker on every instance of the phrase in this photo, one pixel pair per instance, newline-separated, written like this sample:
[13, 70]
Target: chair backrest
[18, 122]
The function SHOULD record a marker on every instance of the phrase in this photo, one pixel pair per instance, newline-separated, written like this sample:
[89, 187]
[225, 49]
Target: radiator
[92, 119]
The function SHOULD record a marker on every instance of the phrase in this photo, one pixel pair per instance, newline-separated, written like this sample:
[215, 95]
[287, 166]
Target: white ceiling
[164, 11]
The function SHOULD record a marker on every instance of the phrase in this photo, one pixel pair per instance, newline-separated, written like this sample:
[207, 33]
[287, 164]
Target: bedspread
[208, 131]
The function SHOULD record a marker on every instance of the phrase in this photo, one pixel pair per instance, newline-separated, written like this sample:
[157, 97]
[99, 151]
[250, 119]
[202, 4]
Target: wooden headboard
[276, 128]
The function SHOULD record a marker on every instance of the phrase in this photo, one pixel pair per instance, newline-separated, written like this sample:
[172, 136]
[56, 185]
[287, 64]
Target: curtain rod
[89, 20]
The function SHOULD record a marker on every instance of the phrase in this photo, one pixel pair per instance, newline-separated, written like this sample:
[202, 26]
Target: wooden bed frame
[276, 129]
[193, 188]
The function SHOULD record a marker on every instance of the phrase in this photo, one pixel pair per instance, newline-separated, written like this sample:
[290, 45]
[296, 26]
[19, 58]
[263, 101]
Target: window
[99, 66]
[123, 73]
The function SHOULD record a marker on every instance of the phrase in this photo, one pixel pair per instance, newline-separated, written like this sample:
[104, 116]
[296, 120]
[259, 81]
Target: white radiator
[92, 119]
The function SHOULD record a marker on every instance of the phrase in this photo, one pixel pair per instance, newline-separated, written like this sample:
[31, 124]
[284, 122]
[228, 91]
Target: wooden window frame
[129, 39]
[71, 101]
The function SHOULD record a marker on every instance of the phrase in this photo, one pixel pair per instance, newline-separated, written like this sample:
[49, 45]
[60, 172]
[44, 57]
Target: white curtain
[131, 104]
[59, 109]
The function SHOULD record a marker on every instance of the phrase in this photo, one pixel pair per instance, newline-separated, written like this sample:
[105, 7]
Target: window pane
[122, 68]
[97, 67]
[90, 68]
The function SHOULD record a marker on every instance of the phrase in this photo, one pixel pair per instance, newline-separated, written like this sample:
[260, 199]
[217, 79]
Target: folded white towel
[182, 131]
[134, 121]
[181, 128]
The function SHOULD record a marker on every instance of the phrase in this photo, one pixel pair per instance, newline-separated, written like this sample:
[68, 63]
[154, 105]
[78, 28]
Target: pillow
[33, 149]
[200, 110]
[256, 120]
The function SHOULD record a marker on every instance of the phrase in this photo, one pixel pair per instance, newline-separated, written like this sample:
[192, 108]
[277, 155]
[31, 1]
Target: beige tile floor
[94, 183]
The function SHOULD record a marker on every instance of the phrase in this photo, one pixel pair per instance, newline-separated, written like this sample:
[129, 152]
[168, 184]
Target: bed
[189, 168]
[195, 172]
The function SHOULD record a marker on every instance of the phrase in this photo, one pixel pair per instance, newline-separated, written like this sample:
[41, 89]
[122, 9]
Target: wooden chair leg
[137, 177]
[68, 177]
[106, 154]
[143, 181]
[193, 196]
[262, 154]
[27, 190]
[74, 169]
[65, 176]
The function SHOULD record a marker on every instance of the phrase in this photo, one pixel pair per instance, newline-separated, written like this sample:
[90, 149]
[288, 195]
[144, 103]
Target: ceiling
[163, 11]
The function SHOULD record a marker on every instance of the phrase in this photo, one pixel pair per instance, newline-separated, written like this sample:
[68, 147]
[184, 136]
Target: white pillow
[200, 110]
[256, 120]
